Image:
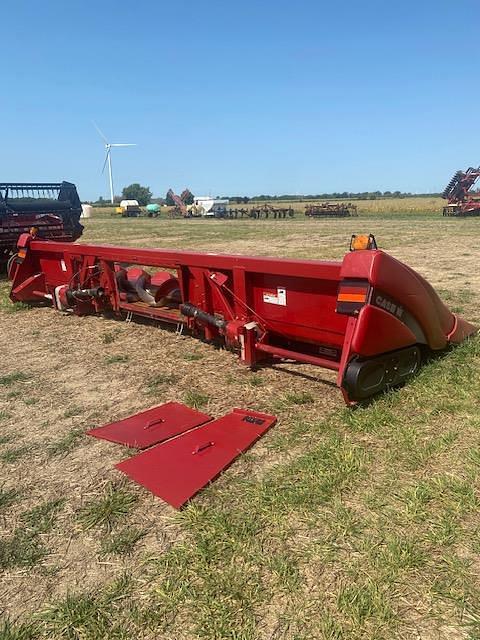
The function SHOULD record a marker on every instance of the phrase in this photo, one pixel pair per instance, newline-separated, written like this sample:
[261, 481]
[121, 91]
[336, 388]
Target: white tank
[128, 203]
[87, 211]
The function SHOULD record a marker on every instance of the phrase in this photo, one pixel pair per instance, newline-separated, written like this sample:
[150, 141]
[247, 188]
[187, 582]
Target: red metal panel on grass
[154, 425]
[177, 470]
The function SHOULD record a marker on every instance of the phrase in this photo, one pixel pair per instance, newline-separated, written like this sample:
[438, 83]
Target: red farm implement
[181, 207]
[331, 210]
[370, 318]
[267, 211]
[462, 201]
[264, 212]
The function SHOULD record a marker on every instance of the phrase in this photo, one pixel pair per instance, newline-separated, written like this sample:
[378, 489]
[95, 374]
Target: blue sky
[240, 97]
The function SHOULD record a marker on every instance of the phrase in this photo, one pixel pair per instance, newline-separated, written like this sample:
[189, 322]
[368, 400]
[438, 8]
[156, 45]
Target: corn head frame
[370, 318]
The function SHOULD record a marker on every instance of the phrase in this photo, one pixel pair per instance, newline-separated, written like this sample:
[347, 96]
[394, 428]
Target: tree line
[344, 195]
[144, 196]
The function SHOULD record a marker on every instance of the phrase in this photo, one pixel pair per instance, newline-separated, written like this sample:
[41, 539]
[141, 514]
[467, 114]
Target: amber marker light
[363, 242]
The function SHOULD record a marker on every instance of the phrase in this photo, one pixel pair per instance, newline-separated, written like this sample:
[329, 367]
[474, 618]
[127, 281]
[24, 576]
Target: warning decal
[279, 298]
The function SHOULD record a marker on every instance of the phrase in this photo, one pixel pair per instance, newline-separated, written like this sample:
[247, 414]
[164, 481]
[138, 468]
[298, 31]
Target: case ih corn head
[461, 201]
[54, 209]
[370, 318]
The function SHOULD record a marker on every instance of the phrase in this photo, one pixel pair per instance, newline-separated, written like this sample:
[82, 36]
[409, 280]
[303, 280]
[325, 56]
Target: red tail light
[352, 296]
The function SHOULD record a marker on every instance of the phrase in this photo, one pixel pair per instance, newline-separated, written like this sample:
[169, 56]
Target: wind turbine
[108, 156]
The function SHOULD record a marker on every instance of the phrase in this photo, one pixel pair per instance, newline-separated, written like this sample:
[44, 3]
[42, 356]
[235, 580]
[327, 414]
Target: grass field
[339, 524]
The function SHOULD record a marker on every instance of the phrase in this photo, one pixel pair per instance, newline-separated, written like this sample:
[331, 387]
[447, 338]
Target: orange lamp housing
[362, 242]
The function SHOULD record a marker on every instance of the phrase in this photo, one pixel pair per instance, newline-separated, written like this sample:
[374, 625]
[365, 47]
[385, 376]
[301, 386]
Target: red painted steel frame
[323, 313]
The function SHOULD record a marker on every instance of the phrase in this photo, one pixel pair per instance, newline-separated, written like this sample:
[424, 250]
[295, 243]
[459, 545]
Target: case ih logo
[388, 305]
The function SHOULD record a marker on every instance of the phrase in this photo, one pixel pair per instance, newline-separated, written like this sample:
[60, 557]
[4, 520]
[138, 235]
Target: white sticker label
[63, 265]
[280, 298]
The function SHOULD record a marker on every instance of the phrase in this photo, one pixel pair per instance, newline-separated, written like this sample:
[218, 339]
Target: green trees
[187, 196]
[135, 191]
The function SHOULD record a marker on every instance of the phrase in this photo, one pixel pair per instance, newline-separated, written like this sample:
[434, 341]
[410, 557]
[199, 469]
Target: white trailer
[208, 206]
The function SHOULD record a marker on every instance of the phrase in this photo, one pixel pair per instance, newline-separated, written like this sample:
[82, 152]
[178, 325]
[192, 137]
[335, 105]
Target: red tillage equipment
[369, 317]
[462, 200]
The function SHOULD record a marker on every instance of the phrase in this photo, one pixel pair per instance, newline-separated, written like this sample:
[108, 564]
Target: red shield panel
[177, 470]
[154, 425]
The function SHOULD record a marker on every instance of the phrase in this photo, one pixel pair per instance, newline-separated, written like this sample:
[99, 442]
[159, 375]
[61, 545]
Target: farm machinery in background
[188, 206]
[129, 209]
[331, 210]
[267, 210]
[207, 207]
[54, 209]
[369, 317]
[184, 206]
[461, 200]
[264, 211]
[180, 209]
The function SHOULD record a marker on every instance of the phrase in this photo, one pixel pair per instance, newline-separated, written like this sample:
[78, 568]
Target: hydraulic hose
[191, 311]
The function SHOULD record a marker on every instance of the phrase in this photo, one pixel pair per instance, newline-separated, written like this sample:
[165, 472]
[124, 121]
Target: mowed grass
[415, 222]
[363, 524]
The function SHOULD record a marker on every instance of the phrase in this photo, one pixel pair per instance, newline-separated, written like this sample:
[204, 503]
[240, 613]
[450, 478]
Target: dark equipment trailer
[257, 213]
[331, 210]
[266, 211]
[54, 209]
